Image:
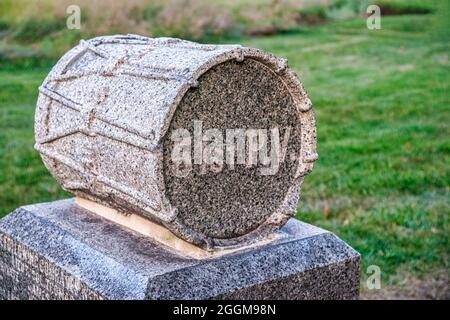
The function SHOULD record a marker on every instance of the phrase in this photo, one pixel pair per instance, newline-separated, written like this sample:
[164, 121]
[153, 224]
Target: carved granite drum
[210, 141]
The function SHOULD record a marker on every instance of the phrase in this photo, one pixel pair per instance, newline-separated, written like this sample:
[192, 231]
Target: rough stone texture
[236, 200]
[106, 108]
[59, 251]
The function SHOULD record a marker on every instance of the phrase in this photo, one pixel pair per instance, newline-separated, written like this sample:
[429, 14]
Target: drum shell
[113, 154]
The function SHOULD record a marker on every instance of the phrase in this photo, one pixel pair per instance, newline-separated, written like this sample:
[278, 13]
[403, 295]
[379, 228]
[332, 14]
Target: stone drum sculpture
[107, 112]
[195, 155]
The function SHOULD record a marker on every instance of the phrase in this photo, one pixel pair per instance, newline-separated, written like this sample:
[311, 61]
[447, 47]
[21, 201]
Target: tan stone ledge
[159, 233]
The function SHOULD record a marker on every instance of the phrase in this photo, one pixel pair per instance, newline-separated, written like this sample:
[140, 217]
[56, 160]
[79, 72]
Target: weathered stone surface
[107, 111]
[59, 251]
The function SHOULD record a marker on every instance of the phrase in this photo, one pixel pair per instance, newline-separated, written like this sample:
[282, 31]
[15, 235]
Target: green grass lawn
[382, 104]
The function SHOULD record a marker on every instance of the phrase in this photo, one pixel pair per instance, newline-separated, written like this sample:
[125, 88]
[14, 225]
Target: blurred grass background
[381, 98]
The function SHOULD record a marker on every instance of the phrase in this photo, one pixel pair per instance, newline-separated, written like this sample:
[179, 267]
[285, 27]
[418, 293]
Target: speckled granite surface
[105, 111]
[237, 200]
[57, 250]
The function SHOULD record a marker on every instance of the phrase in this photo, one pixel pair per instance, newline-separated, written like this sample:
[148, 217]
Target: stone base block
[58, 250]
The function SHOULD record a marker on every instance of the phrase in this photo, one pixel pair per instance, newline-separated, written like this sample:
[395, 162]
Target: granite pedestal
[58, 250]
